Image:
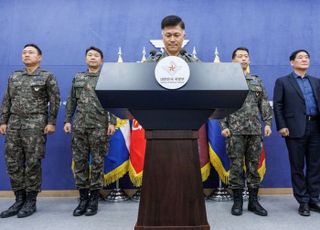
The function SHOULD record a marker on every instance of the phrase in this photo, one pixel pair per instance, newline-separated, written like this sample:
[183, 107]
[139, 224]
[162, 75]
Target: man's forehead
[302, 53]
[93, 52]
[172, 29]
[241, 52]
[29, 48]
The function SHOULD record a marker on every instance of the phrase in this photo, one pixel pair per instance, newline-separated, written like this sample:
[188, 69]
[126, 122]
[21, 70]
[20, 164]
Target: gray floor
[56, 213]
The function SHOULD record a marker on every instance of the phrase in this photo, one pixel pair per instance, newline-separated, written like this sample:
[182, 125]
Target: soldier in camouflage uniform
[243, 130]
[92, 126]
[26, 120]
[173, 33]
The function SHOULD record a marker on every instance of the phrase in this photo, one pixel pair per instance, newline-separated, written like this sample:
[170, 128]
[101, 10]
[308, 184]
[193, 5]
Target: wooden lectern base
[172, 195]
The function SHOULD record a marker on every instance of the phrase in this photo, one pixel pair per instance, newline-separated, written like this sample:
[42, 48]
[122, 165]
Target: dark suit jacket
[289, 104]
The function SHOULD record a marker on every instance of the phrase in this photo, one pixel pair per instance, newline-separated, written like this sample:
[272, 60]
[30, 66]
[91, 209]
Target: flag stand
[136, 196]
[220, 194]
[245, 193]
[117, 194]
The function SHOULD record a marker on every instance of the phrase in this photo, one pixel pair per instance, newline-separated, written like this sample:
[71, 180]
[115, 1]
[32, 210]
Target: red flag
[137, 153]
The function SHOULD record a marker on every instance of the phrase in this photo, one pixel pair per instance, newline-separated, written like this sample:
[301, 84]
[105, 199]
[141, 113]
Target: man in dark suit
[296, 101]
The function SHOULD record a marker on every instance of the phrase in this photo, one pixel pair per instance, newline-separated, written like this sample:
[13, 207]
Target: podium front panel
[212, 90]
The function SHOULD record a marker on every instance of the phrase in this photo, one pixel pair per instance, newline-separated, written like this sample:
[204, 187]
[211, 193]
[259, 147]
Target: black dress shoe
[314, 207]
[304, 209]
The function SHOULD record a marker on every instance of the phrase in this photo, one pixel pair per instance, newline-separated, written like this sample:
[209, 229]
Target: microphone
[152, 53]
[186, 55]
[183, 52]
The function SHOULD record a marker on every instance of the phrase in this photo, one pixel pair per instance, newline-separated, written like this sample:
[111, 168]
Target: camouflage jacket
[84, 102]
[29, 95]
[247, 120]
[186, 56]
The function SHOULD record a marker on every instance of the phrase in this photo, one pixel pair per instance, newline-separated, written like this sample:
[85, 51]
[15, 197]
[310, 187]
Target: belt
[312, 118]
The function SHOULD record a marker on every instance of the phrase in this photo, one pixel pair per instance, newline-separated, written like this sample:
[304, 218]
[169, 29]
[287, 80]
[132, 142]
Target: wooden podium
[172, 194]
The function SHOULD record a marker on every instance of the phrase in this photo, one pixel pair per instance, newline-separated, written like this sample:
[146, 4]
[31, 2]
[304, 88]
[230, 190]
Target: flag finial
[143, 59]
[216, 56]
[194, 53]
[120, 60]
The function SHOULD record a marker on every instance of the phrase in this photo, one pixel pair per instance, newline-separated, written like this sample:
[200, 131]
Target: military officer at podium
[173, 33]
[91, 128]
[243, 130]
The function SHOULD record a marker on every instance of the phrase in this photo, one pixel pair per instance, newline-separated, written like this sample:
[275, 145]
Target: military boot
[92, 208]
[15, 208]
[82, 206]
[237, 202]
[253, 205]
[29, 206]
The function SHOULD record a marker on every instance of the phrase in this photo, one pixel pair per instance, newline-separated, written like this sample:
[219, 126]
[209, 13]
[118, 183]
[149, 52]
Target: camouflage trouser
[86, 143]
[24, 150]
[244, 148]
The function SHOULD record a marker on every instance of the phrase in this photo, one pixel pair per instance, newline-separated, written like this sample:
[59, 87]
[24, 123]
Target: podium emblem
[172, 72]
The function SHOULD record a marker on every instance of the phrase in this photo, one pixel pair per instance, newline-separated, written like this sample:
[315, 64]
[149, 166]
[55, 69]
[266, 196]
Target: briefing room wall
[63, 29]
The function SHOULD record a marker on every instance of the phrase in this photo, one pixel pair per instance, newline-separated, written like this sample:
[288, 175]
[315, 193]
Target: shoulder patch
[16, 74]
[255, 76]
[80, 75]
[43, 70]
[44, 73]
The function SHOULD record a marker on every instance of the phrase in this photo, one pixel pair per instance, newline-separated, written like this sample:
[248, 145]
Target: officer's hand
[267, 130]
[284, 132]
[111, 129]
[3, 129]
[49, 129]
[67, 127]
[226, 132]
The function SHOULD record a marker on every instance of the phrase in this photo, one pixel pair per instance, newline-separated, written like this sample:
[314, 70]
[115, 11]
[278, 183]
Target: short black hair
[293, 55]
[172, 20]
[95, 49]
[239, 48]
[34, 46]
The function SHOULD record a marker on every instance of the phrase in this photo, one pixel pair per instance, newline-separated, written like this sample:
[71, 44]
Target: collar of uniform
[93, 74]
[35, 73]
[165, 54]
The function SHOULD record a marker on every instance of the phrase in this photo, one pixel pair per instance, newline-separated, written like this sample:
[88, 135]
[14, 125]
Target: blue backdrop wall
[65, 28]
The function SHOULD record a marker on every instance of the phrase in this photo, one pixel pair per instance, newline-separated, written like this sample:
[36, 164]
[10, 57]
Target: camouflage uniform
[89, 131]
[25, 111]
[246, 136]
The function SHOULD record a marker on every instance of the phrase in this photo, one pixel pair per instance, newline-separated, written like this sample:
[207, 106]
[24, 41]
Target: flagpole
[136, 196]
[117, 194]
[220, 193]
